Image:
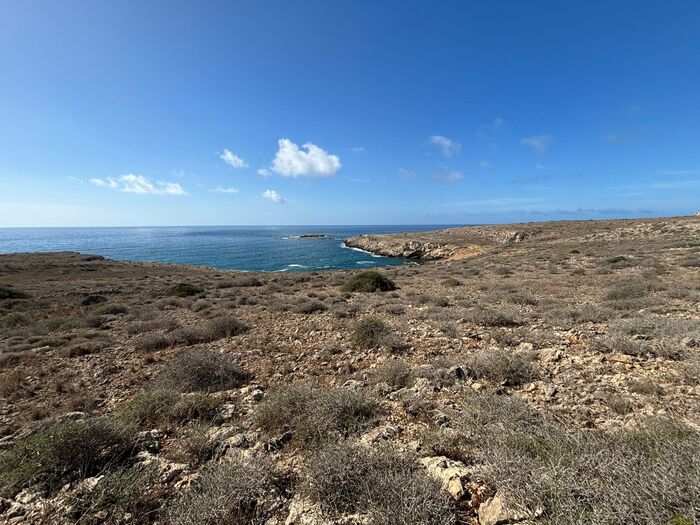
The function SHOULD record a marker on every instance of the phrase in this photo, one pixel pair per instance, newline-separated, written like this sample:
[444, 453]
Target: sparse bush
[690, 368]
[244, 281]
[194, 445]
[184, 290]
[188, 336]
[151, 342]
[504, 317]
[111, 309]
[315, 415]
[14, 319]
[444, 442]
[369, 281]
[239, 492]
[370, 332]
[161, 406]
[65, 451]
[8, 292]
[392, 489]
[502, 366]
[627, 291]
[223, 327]
[201, 370]
[396, 374]
[309, 307]
[124, 493]
[575, 477]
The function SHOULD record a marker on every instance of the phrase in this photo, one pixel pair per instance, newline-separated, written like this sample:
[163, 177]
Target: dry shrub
[201, 370]
[501, 366]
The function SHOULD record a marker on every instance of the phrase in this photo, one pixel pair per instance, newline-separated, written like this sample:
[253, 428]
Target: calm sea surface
[252, 248]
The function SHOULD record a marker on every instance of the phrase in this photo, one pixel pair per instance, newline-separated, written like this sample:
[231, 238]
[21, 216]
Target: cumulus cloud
[292, 161]
[273, 196]
[449, 176]
[221, 189]
[131, 183]
[232, 159]
[264, 172]
[540, 143]
[447, 146]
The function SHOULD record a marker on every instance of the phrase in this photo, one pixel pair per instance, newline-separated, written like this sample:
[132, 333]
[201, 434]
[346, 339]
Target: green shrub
[65, 451]
[201, 370]
[315, 415]
[8, 292]
[239, 492]
[161, 406]
[369, 281]
[392, 489]
[111, 309]
[369, 332]
[14, 319]
[184, 290]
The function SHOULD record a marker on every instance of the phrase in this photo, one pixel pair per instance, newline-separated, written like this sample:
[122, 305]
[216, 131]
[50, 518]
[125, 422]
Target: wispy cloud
[264, 172]
[131, 183]
[541, 166]
[232, 159]
[486, 165]
[535, 179]
[497, 202]
[359, 149]
[676, 172]
[448, 176]
[540, 143]
[490, 127]
[676, 185]
[307, 161]
[221, 189]
[448, 147]
[273, 196]
[75, 179]
[406, 174]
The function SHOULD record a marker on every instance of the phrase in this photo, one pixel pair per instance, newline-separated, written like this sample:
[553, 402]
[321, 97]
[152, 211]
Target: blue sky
[357, 112]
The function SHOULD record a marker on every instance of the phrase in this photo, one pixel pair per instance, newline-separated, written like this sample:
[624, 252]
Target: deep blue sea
[251, 248]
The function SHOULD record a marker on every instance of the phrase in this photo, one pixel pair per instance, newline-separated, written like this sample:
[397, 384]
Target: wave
[365, 262]
[343, 245]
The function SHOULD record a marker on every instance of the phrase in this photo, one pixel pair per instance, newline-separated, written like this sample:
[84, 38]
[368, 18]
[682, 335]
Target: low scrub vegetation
[65, 451]
[502, 366]
[184, 290]
[388, 487]
[201, 370]
[649, 474]
[369, 281]
[370, 332]
[239, 492]
[8, 292]
[163, 407]
[316, 415]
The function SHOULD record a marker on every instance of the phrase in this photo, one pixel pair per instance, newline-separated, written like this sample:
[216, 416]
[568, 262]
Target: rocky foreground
[534, 374]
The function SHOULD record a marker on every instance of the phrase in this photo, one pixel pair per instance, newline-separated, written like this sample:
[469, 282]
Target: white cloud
[291, 161]
[75, 179]
[232, 159]
[447, 146]
[264, 172]
[449, 176]
[486, 164]
[490, 127]
[406, 174]
[541, 166]
[131, 183]
[540, 143]
[221, 189]
[358, 149]
[273, 196]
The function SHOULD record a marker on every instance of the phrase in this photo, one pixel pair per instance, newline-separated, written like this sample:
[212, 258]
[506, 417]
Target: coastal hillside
[539, 373]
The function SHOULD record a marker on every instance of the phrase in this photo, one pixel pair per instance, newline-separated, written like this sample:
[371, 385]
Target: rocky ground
[534, 373]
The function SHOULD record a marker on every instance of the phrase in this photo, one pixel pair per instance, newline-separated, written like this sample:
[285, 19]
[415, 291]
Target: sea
[247, 248]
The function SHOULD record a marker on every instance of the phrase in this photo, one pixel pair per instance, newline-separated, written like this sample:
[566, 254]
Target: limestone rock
[452, 474]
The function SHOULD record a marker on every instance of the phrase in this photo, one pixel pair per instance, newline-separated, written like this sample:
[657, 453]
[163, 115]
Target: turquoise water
[251, 248]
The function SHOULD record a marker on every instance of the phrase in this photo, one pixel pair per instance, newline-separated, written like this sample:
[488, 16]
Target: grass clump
[501, 366]
[111, 309]
[627, 291]
[184, 290]
[504, 317]
[201, 370]
[223, 327]
[390, 488]
[370, 332]
[65, 451]
[8, 292]
[639, 475]
[239, 492]
[14, 320]
[162, 406]
[397, 374]
[316, 415]
[369, 281]
[150, 342]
